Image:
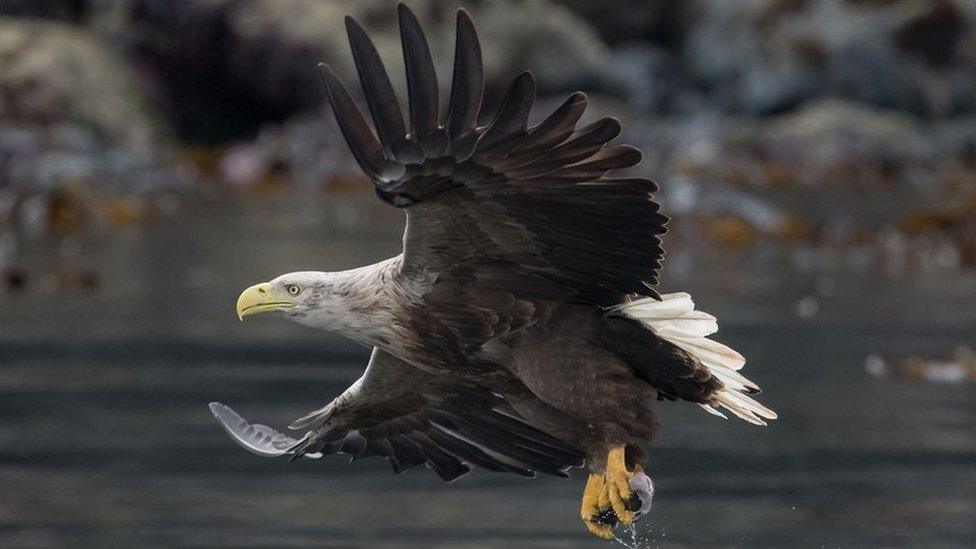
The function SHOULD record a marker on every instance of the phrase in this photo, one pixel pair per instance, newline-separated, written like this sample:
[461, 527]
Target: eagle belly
[569, 363]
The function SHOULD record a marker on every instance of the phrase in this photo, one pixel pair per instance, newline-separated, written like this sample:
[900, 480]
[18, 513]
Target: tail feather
[712, 410]
[735, 380]
[744, 407]
[670, 307]
[674, 318]
[710, 353]
[691, 324]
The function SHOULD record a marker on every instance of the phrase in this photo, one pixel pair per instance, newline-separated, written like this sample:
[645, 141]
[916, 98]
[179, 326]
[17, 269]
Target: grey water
[106, 439]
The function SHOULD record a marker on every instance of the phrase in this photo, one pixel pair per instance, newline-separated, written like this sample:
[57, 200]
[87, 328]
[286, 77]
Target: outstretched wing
[411, 418]
[530, 210]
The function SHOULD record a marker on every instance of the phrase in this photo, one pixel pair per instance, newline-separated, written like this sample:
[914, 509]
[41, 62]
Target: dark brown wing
[411, 417]
[531, 211]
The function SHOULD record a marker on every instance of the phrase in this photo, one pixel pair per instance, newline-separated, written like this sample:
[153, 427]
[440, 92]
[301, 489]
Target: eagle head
[350, 303]
[295, 295]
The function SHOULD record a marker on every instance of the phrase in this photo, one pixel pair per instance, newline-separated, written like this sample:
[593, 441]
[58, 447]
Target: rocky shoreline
[822, 125]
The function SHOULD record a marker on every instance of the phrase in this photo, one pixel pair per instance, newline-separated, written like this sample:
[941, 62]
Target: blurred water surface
[106, 440]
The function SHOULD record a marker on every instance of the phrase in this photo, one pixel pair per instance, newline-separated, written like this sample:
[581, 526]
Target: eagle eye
[293, 289]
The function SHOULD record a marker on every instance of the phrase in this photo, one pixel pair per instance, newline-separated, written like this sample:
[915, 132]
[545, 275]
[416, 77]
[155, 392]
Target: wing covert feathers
[674, 319]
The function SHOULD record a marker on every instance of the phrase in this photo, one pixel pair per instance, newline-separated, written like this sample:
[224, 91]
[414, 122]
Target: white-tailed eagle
[519, 330]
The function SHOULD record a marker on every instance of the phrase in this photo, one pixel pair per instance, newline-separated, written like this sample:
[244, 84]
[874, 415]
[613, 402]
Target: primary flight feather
[519, 330]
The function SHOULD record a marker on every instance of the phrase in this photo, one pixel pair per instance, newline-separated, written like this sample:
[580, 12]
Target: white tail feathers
[675, 319]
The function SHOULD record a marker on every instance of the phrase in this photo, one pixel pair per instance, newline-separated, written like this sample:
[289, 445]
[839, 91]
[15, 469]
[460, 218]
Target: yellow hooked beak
[260, 299]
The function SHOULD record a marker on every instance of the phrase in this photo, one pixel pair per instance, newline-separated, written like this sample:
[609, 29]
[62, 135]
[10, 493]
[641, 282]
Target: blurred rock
[245, 165]
[53, 73]
[76, 133]
[807, 307]
[48, 157]
[766, 56]
[876, 366]
[14, 280]
[663, 23]
[827, 142]
[258, 57]
[848, 184]
[648, 78]
[956, 138]
[835, 142]
[62, 178]
[62, 10]
[308, 150]
[957, 368]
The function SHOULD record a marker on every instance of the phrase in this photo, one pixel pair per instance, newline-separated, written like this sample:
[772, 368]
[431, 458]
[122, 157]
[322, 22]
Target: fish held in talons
[639, 503]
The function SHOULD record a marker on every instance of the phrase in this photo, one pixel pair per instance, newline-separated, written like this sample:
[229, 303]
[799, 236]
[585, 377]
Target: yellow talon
[617, 480]
[595, 501]
[591, 497]
[599, 529]
[606, 496]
